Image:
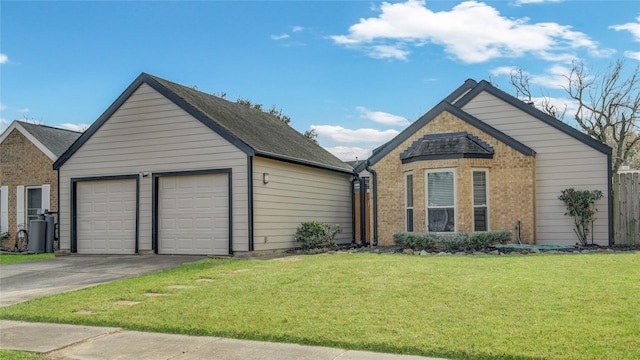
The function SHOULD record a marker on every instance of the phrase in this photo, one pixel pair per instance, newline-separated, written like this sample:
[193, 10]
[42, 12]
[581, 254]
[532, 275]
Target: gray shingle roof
[449, 145]
[55, 139]
[262, 132]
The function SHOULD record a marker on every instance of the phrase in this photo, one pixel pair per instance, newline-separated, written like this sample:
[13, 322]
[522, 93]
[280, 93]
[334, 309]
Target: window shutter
[4, 208]
[20, 205]
[46, 193]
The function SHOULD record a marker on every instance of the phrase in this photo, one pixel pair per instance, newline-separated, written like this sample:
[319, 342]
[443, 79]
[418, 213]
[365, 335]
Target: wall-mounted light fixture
[265, 178]
[144, 174]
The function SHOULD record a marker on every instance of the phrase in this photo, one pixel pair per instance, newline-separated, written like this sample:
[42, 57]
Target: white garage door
[193, 214]
[106, 217]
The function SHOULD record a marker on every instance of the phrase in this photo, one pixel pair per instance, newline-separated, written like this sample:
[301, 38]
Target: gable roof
[252, 131]
[52, 141]
[447, 146]
[533, 111]
[461, 96]
[432, 114]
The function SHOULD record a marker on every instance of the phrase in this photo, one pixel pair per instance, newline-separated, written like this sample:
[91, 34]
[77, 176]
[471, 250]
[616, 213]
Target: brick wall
[22, 163]
[511, 178]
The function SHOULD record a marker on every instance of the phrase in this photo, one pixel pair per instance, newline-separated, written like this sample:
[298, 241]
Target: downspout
[363, 212]
[610, 201]
[374, 183]
[353, 207]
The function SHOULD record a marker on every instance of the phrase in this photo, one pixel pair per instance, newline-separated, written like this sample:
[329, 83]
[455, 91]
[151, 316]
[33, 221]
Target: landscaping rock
[424, 253]
[441, 253]
[408, 251]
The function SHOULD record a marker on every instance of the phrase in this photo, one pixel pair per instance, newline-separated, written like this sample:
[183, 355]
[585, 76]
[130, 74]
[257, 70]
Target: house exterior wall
[149, 133]
[296, 194]
[561, 162]
[23, 164]
[511, 185]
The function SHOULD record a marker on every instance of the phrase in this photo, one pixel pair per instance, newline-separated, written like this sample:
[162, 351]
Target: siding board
[150, 133]
[561, 162]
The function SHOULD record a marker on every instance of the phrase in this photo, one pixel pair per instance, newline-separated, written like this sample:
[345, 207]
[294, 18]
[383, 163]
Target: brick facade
[22, 163]
[511, 180]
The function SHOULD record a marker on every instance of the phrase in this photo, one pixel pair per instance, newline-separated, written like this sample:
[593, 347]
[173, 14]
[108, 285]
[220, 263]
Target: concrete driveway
[27, 280]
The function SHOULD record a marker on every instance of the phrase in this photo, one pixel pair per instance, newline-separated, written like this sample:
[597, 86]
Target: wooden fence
[626, 209]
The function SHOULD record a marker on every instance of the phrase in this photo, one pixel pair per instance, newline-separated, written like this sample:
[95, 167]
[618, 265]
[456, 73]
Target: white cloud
[342, 135]
[472, 32]
[4, 59]
[524, 2]
[347, 153]
[633, 28]
[280, 37]
[632, 55]
[75, 127]
[554, 76]
[24, 110]
[3, 107]
[382, 117]
[3, 122]
[297, 29]
[388, 52]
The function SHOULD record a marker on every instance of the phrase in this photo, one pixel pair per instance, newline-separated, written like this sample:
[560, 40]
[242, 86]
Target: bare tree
[608, 106]
[520, 81]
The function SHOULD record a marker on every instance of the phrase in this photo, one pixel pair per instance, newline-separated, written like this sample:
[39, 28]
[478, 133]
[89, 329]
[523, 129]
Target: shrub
[313, 234]
[451, 242]
[580, 205]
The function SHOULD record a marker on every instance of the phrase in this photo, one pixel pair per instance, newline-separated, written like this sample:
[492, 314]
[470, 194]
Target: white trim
[17, 126]
[406, 198]
[46, 197]
[4, 208]
[20, 206]
[26, 202]
[455, 198]
[488, 196]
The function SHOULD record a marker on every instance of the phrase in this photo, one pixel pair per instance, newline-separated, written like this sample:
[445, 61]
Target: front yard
[482, 307]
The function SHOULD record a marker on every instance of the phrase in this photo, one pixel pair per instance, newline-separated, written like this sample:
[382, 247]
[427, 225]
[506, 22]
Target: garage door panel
[106, 216]
[190, 207]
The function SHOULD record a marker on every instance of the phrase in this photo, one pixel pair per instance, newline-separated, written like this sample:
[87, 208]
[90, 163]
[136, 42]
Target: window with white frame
[408, 186]
[480, 200]
[34, 203]
[441, 195]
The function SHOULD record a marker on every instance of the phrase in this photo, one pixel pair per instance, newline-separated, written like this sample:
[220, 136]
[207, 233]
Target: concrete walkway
[59, 341]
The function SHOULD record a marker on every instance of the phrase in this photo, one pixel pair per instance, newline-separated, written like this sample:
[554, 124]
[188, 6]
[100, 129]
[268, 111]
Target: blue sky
[357, 71]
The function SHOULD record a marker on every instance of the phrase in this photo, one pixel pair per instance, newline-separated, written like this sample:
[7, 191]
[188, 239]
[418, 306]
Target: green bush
[581, 205]
[451, 242]
[314, 235]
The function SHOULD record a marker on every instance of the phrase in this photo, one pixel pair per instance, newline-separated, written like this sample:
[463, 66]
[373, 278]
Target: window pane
[409, 220]
[409, 190]
[479, 188]
[34, 198]
[440, 189]
[480, 219]
[441, 220]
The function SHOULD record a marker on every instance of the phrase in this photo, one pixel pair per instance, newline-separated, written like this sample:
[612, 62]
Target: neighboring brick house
[482, 160]
[28, 183]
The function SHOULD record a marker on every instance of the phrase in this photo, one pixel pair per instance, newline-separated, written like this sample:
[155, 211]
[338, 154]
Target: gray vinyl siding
[150, 133]
[561, 162]
[296, 194]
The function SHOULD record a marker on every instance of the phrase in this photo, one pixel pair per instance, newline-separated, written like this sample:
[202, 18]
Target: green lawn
[19, 355]
[457, 307]
[14, 258]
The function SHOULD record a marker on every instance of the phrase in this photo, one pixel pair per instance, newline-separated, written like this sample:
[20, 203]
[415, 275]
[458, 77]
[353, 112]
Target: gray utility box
[37, 233]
